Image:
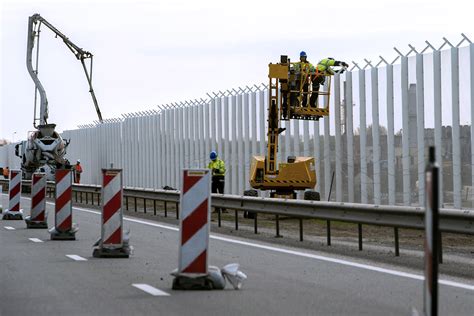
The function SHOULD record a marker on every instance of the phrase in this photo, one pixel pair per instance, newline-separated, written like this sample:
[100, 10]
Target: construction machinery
[288, 95]
[44, 145]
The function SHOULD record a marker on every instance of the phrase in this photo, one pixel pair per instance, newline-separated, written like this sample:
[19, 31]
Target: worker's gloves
[215, 170]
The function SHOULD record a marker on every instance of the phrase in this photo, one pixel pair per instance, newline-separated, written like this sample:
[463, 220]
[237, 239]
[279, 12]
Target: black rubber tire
[312, 196]
[250, 193]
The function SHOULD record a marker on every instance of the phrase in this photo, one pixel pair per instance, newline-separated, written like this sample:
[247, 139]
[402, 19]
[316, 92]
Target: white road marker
[9, 228]
[150, 289]
[306, 255]
[76, 258]
[35, 239]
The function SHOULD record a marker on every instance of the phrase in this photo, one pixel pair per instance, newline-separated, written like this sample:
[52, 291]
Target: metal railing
[451, 220]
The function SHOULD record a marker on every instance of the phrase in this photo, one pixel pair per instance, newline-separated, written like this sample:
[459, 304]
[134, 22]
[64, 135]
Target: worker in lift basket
[77, 171]
[217, 167]
[324, 69]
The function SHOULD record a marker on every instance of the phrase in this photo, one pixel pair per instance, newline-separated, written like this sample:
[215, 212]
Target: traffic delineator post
[14, 196]
[63, 229]
[430, 293]
[38, 215]
[195, 201]
[112, 243]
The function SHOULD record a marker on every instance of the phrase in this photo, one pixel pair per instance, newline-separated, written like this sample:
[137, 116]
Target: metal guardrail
[450, 220]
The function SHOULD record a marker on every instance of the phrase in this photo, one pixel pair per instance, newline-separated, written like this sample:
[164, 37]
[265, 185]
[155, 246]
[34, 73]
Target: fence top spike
[448, 42]
[412, 48]
[430, 46]
[466, 38]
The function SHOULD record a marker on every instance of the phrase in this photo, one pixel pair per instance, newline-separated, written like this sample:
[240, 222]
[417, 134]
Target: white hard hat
[78, 160]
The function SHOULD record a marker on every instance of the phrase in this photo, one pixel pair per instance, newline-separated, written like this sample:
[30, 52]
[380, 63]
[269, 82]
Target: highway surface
[43, 277]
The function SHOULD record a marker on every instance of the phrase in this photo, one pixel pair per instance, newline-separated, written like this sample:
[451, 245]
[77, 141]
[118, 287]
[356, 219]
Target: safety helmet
[213, 155]
[79, 160]
[303, 54]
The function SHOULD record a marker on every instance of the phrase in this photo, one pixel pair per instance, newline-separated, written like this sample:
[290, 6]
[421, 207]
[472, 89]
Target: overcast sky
[155, 52]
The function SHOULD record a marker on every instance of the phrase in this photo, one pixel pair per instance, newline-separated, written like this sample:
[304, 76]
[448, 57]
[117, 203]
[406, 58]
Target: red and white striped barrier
[63, 226]
[194, 230]
[37, 218]
[14, 194]
[113, 243]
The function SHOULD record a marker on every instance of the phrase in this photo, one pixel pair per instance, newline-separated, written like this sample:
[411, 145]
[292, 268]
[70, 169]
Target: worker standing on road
[323, 69]
[217, 167]
[77, 171]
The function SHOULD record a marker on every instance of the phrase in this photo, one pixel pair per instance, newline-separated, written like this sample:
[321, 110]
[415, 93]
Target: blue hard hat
[213, 155]
[303, 54]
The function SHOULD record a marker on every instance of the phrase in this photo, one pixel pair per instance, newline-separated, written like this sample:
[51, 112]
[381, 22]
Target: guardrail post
[301, 229]
[360, 236]
[144, 206]
[236, 220]
[397, 245]
[87, 198]
[277, 225]
[255, 228]
[135, 203]
[177, 210]
[219, 217]
[154, 207]
[328, 232]
[166, 209]
[126, 202]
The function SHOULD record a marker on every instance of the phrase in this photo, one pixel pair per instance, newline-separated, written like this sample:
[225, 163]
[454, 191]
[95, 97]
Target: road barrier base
[15, 216]
[123, 252]
[35, 224]
[67, 235]
[181, 282]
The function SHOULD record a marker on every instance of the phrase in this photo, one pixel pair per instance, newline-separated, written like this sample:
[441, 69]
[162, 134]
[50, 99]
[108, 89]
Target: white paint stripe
[15, 179]
[35, 240]
[64, 184]
[111, 225]
[76, 257]
[38, 208]
[39, 185]
[14, 201]
[193, 247]
[195, 196]
[63, 213]
[112, 188]
[303, 254]
[150, 289]
[9, 228]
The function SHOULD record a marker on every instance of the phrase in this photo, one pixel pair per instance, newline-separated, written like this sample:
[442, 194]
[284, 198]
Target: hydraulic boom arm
[34, 24]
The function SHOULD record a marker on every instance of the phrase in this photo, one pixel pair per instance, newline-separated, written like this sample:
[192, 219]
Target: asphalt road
[37, 277]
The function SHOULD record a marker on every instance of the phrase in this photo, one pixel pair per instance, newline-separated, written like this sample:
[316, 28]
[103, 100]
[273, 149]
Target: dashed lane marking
[150, 289]
[76, 258]
[35, 239]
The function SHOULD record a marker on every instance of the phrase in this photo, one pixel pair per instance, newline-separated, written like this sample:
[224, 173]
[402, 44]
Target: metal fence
[375, 147]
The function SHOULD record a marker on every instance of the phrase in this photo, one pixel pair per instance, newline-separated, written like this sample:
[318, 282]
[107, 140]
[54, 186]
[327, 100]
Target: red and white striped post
[37, 218]
[14, 194]
[194, 229]
[113, 243]
[63, 226]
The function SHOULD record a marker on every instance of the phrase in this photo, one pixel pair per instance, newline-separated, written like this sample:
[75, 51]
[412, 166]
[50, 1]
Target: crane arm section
[34, 24]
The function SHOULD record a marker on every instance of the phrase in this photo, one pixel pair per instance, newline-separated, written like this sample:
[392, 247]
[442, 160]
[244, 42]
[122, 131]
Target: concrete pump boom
[34, 24]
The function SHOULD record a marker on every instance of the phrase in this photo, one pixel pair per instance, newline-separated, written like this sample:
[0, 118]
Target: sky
[157, 52]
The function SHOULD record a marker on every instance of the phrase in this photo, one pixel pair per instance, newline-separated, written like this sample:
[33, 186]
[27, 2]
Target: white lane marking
[150, 289]
[306, 255]
[76, 257]
[35, 239]
[9, 228]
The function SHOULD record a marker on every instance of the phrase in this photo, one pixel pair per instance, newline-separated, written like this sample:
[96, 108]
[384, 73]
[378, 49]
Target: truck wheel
[312, 196]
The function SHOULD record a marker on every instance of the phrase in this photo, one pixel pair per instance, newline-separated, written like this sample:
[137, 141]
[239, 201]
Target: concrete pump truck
[288, 94]
[45, 146]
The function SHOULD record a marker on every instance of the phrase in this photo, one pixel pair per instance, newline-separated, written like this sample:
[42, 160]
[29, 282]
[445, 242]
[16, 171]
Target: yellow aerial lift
[288, 95]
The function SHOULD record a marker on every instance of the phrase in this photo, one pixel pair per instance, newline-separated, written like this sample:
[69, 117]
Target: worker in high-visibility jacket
[217, 167]
[303, 70]
[323, 69]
